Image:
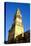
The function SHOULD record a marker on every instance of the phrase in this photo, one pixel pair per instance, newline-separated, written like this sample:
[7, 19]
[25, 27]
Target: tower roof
[18, 9]
[18, 12]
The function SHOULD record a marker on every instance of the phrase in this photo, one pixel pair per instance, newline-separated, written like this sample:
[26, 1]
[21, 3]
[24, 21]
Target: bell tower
[18, 24]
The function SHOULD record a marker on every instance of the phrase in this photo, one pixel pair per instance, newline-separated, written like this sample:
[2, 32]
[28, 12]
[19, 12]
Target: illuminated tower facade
[18, 24]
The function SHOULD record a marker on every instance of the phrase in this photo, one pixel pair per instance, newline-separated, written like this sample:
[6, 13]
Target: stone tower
[17, 27]
[18, 24]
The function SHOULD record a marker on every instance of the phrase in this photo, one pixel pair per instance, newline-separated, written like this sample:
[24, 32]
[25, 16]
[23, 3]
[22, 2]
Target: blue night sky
[10, 12]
